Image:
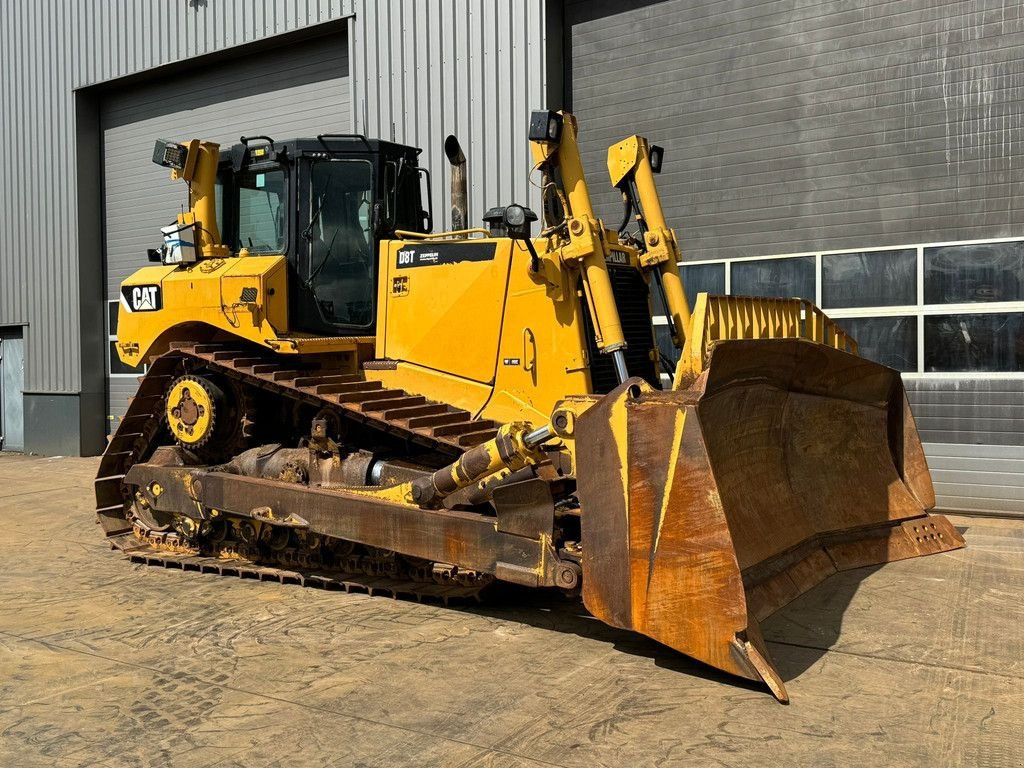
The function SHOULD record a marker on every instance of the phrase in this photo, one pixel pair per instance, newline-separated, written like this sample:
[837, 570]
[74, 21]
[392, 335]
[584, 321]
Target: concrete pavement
[105, 663]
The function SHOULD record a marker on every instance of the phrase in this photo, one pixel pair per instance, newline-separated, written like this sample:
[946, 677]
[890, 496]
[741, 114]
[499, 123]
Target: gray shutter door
[296, 92]
[798, 129]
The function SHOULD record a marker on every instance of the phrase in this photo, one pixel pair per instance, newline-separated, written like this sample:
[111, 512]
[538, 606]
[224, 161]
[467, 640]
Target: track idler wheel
[152, 519]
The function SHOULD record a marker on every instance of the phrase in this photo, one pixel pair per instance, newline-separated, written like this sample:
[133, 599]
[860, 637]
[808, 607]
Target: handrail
[406, 235]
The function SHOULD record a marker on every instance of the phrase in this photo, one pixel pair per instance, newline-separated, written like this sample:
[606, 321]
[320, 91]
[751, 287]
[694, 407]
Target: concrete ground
[105, 663]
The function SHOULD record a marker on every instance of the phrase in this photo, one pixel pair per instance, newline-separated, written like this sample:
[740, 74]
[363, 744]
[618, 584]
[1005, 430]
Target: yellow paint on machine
[482, 335]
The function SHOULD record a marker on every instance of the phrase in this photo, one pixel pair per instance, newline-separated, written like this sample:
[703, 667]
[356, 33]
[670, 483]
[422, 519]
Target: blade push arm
[581, 242]
[632, 172]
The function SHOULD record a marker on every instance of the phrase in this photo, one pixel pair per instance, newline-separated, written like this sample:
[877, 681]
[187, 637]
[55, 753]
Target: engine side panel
[468, 322]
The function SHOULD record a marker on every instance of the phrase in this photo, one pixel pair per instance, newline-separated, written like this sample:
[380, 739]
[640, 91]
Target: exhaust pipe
[453, 151]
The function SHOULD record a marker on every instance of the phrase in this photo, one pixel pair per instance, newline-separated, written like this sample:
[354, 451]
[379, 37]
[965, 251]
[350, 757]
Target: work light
[657, 154]
[170, 154]
[545, 126]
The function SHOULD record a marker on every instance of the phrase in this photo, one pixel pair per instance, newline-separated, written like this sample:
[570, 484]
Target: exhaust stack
[460, 200]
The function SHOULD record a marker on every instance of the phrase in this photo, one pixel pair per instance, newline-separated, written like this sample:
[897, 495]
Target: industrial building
[858, 155]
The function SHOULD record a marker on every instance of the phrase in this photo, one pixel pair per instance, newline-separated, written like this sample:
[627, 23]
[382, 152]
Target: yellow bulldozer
[339, 397]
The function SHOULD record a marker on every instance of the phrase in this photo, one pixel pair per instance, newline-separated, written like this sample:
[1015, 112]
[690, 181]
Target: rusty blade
[706, 510]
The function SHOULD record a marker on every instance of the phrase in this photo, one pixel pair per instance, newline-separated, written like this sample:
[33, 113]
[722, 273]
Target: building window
[891, 341]
[958, 274]
[702, 278]
[114, 365]
[667, 351]
[974, 342]
[777, 278]
[869, 279]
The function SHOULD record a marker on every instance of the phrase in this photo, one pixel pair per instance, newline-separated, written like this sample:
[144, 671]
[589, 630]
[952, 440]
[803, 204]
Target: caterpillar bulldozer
[339, 397]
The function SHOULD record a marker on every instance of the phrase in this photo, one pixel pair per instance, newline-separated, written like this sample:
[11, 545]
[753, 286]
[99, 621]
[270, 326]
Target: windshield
[262, 203]
[339, 261]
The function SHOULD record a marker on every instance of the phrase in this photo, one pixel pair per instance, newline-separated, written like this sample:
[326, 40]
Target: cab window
[262, 211]
[338, 263]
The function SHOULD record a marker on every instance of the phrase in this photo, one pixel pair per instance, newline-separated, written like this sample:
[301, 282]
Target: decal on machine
[141, 298]
[432, 254]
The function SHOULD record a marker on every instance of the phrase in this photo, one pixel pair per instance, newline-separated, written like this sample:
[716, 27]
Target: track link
[330, 579]
[430, 424]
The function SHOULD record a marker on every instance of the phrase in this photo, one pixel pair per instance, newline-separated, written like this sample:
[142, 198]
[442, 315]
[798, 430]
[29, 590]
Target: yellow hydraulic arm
[580, 239]
[632, 171]
[199, 171]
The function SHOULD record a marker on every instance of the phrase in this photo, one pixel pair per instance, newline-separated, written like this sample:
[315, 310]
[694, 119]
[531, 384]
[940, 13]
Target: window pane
[872, 279]
[779, 278]
[339, 264]
[982, 272]
[990, 342]
[702, 278]
[116, 366]
[891, 341]
[669, 355]
[262, 208]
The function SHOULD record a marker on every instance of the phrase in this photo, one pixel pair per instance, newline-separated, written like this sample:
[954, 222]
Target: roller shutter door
[781, 137]
[286, 93]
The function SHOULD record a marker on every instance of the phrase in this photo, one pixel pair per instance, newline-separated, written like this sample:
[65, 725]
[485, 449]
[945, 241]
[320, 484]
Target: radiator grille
[632, 296]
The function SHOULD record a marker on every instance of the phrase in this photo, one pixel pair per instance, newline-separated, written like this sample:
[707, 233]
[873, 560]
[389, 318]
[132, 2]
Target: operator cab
[325, 204]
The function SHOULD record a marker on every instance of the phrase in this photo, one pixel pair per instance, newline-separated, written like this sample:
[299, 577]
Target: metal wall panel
[982, 478]
[973, 434]
[411, 82]
[801, 127]
[455, 66]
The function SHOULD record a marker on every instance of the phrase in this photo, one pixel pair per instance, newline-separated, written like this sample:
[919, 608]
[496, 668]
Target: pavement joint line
[42, 490]
[282, 700]
[952, 667]
[63, 691]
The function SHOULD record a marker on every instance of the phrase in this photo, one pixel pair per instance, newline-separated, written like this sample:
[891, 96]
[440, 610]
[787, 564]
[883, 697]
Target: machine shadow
[810, 625]
[552, 610]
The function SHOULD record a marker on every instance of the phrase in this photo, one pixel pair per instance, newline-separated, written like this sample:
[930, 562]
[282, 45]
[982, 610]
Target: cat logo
[141, 298]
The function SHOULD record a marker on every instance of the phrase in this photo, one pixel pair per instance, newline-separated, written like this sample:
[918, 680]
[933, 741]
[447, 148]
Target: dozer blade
[705, 510]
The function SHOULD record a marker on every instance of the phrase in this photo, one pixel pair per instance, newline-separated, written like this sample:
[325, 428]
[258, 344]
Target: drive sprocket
[207, 416]
[192, 409]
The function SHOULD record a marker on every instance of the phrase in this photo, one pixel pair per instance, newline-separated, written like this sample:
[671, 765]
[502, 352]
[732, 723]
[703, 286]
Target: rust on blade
[706, 510]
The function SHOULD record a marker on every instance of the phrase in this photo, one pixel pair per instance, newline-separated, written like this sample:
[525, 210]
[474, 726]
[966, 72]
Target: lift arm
[632, 171]
[582, 241]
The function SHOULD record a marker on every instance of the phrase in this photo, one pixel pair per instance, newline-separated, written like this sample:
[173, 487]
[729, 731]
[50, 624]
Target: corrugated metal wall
[796, 127]
[800, 127]
[421, 69]
[475, 69]
[973, 431]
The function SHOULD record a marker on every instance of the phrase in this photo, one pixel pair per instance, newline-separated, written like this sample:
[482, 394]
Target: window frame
[919, 309]
[236, 208]
[304, 212]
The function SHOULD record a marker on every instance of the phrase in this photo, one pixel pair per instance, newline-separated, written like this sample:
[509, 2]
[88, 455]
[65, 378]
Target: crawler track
[413, 418]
